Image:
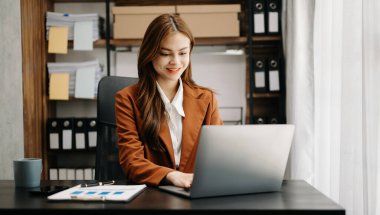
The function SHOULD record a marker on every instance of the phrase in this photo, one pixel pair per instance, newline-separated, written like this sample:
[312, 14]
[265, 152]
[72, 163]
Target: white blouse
[174, 114]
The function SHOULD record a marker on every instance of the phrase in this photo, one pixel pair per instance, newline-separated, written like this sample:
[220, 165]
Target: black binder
[67, 125]
[273, 17]
[259, 120]
[275, 119]
[259, 18]
[273, 74]
[91, 126]
[259, 75]
[80, 133]
[54, 133]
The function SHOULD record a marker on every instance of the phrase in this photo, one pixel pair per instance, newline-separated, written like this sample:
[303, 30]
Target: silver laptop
[239, 159]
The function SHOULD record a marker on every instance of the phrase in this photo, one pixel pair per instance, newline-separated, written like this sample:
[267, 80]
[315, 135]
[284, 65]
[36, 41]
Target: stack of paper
[76, 79]
[54, 19]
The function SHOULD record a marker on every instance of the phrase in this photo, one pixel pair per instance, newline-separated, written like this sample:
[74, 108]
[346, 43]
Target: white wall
[11, 112]
[225, 74]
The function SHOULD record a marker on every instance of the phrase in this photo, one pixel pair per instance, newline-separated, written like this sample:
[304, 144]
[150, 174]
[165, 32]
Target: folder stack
[83, 78]
[54, 19]
[71, 133]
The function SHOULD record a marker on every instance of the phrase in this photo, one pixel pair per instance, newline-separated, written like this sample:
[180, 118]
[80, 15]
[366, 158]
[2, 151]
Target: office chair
[107, 165]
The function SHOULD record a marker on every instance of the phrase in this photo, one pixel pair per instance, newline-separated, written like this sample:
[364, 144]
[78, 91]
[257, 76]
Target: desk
[296, 197]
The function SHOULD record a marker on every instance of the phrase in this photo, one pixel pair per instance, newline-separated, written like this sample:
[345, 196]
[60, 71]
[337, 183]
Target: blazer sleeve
[131, 150]
[213, 115]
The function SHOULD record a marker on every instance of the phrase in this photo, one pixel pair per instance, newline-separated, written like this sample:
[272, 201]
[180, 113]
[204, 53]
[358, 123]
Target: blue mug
[27, 172]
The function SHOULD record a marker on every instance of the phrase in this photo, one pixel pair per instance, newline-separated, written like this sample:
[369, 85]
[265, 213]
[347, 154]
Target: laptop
[239, 159]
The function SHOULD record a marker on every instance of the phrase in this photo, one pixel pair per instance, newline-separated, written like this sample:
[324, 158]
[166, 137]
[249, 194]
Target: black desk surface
[296, 197]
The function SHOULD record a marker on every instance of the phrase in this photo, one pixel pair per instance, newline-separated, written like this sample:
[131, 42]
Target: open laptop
[239, 159]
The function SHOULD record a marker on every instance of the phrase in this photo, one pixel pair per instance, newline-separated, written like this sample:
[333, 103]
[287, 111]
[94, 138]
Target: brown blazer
[146, 166]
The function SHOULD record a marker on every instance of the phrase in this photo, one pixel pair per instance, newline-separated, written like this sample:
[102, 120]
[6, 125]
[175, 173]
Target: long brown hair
[148, 99]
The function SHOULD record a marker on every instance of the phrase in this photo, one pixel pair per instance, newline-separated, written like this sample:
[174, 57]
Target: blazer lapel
[195, 110]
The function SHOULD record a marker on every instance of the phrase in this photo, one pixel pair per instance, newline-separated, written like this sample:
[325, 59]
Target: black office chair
[107, 165]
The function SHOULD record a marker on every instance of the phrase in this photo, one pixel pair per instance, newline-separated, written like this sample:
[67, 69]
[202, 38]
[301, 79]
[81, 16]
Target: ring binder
[259, 17]
[273, 120]
[273, 74]
[259, 78]
[80, 133]
[273, 17]
[260, 120]
[54, 132]
[67, 133]
[91, 127]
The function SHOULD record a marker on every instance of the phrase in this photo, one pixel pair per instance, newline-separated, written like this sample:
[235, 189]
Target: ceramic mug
[27, 172]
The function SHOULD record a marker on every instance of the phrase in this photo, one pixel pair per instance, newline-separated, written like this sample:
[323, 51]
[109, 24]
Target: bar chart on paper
[122, 193]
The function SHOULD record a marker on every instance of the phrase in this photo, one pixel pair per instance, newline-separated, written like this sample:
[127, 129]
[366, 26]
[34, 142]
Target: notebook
[239, 159]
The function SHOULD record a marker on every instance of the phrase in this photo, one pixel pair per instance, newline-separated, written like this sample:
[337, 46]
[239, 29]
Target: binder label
[92, 139]
[66, 139]
[273, 22]
[259, 26]
[80, 141]
[54, 140]
[274, 80]
[259, 79]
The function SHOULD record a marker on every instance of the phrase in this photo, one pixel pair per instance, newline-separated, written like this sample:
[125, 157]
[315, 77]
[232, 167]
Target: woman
[159, 119]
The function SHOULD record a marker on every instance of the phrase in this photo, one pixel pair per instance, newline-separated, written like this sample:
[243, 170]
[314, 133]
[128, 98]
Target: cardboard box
[211, 20]
[131, 22]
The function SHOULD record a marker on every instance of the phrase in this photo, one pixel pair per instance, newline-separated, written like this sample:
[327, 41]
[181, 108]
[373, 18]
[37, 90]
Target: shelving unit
[240, 41]
[38, 108]
[264, 104]
[200, 41]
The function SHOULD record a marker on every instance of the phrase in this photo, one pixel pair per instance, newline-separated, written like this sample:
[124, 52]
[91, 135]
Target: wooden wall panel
[34, 77]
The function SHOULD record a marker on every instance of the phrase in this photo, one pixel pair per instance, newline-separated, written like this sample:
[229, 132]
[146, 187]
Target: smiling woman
[172, 61]
[159, 119]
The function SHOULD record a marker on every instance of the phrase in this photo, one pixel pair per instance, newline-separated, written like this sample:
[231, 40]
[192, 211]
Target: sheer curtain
[332, 51]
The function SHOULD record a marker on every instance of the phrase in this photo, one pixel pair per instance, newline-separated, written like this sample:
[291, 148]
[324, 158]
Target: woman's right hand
[180, 179]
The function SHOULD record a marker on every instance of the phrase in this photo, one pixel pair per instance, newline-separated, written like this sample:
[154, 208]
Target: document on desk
[119, 193]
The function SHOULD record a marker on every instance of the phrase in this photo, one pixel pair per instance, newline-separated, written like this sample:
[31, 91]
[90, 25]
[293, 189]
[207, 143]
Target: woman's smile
[173, 70]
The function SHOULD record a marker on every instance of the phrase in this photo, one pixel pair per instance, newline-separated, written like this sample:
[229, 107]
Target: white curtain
[332, 51]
